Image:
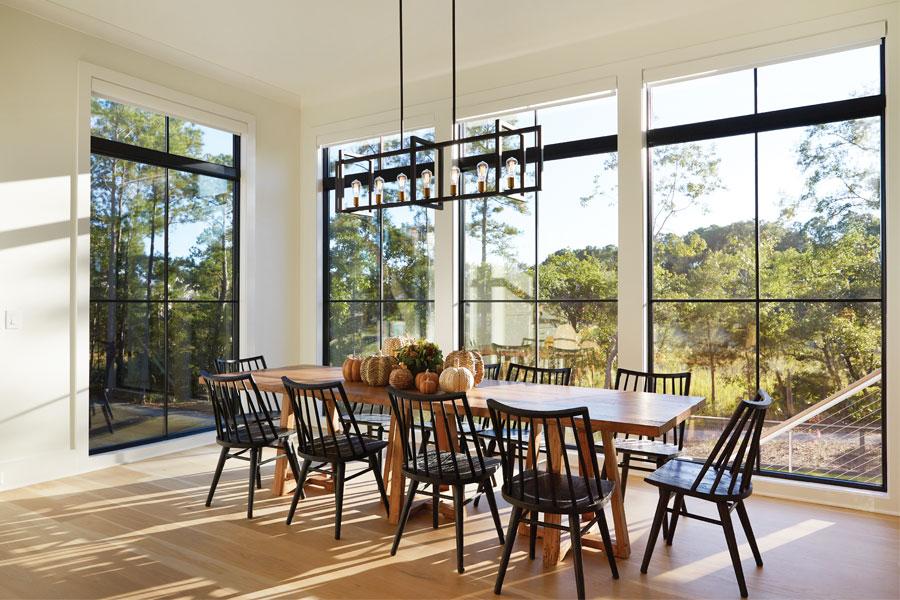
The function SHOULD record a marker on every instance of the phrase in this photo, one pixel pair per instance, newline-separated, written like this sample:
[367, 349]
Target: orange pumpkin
[350, 369]
[427, 382]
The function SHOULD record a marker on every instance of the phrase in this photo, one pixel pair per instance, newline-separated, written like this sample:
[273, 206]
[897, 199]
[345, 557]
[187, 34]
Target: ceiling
[310, 50]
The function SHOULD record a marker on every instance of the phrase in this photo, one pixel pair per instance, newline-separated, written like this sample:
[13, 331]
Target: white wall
[766, 30]
[43, 397]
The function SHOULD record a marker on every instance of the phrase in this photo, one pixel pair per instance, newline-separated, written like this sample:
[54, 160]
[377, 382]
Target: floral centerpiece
[421, 356]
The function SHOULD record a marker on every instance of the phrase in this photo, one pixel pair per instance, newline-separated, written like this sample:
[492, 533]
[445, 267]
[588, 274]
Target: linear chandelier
[508, 153]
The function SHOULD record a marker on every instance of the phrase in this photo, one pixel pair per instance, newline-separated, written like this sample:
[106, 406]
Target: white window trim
[96, 80]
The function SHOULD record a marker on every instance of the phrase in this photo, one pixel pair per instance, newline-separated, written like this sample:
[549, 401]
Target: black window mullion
[166, 377]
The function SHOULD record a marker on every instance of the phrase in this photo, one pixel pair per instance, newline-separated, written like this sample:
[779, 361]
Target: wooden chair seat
[449, 467]
[679, 477]
[650, 449]
[248, 436]
[344, 447]
[553, 492]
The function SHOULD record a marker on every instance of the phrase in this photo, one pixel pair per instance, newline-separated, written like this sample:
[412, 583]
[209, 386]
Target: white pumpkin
[457, 379]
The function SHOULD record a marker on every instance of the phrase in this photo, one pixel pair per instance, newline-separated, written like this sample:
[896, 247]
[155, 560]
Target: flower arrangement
[420, 356]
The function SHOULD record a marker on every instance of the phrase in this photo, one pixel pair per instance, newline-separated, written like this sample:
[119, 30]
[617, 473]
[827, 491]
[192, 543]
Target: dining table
[612, 413]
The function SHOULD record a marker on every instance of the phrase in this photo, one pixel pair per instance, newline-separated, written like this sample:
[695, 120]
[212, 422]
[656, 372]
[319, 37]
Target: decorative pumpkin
[427, 382]
[401, 377]
[469, 359]
[351, 367]
[376, 370]
[456, 379]
[392, 345]
[421, 356]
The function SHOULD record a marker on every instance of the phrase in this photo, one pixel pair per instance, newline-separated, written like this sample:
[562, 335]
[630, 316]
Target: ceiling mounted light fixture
[515, 148]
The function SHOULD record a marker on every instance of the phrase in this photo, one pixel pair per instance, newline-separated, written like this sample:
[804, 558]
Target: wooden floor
[141, 531]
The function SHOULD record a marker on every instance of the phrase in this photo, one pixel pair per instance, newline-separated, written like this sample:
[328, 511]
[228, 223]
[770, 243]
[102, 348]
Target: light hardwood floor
[141, 531]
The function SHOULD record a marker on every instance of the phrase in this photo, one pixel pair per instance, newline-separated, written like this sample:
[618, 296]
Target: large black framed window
[163, 269]
[539, 274]
[766, 256]
[378, 268]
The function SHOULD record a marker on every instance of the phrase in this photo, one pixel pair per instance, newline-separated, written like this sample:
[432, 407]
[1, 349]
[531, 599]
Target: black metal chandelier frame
[368, 166]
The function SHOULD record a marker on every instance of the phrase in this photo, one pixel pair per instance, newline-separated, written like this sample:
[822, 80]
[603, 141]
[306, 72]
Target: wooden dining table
[611, 412]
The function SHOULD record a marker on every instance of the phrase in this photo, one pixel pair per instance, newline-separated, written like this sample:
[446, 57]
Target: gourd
[401, 377]
[376, 370]
[469, 359]
[456, 379]
[392, 345]
[427, 382]
[351, 367]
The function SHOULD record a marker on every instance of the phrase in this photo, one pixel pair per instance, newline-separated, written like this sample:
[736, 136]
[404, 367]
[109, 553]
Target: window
[766, 235]
[539, 273]
[379, 268]
[163, 262]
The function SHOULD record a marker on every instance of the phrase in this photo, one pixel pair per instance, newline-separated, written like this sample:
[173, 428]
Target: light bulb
[482, 169]
[401, 186]
[356, 185]
[511, 164]
[454, 180]
[426, 183]
[379, 188]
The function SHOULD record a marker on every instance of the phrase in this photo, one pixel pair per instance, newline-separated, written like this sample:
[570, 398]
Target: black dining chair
[429, 464]
[244, 425]
[643, 453]
[723, 479]
[492, 370]
[328, 435]
[250, 363]
[533, 487]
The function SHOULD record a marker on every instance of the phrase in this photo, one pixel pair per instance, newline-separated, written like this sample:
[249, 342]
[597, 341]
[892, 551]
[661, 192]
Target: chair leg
[298, 494]
[301, 477]
[376, 469]
[507, 548]
[676, 511]
[607, 543]
[223, 456]
[254, 469]
[626, 463]
[665, 523]
[458, 507]
[532, 533]
[404, 514]
[575, 531]
[725, 517]
[748, 531]
[339, 469]
[492, 503]
[259, 475]
[654, 530]
[435, 503]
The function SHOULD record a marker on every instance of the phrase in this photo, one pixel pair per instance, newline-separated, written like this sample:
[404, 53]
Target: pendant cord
[401, 74]
[453, 53]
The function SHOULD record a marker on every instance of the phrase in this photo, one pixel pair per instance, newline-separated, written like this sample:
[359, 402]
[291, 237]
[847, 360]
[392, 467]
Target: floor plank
[141, 531]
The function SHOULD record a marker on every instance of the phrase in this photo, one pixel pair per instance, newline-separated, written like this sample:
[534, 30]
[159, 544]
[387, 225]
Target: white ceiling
[316, 49]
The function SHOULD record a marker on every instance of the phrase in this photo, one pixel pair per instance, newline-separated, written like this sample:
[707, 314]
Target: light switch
[13, 319]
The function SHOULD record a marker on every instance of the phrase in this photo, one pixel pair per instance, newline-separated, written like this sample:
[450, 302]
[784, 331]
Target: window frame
[828, 112]
[328, 186]
[173, 162]
[594, 146]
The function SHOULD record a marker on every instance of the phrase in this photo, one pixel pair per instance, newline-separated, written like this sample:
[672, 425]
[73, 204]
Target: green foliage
[421, 356]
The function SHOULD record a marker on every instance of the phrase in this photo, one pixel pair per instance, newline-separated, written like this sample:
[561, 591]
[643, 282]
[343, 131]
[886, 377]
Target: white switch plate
[13, 319]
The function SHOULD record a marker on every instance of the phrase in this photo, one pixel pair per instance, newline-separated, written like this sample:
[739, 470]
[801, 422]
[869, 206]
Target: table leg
[325, 480]
[282, 468]
[396, 480]
[621, 545]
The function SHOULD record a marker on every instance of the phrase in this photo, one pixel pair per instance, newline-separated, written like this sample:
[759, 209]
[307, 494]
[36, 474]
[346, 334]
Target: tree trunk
[111, 280]
[610, 358]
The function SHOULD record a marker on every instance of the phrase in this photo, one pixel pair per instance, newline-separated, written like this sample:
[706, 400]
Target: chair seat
[513, 436]
[550, 492]
[343, 448]
[452, 467]
[252, 436]
[373, 419]
[679, 476]
[650, 448]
